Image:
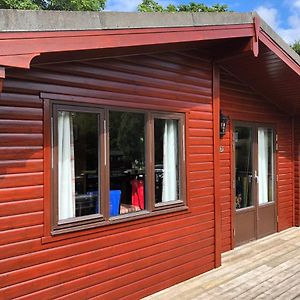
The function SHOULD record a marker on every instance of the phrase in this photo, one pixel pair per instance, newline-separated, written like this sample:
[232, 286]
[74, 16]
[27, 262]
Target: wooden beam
[255, 39]
[293, 170]
[217, 185]
[2, 72]
[119, 38]
[2, 76]
[25, 46]
[19, 61]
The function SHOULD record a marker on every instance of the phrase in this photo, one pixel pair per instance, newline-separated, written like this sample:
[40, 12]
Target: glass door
[266, 209]
[243, 167]
[265, 165]
[245, 217]
[255, 211]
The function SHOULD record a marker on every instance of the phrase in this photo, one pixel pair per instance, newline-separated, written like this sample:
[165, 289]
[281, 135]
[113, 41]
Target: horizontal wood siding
[297, 172]
[127, 260]
[226, 191]
[21, 169]
[241, 103]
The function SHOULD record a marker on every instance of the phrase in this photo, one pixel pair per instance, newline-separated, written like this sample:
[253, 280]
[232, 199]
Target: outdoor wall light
[223, 124]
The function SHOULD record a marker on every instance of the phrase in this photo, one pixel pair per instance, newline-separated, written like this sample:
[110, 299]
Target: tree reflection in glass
[127, 162]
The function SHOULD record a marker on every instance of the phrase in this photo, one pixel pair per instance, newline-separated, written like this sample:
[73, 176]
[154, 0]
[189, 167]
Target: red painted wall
[128, 260]
[136, 258]
[241, 103]
[297, 171]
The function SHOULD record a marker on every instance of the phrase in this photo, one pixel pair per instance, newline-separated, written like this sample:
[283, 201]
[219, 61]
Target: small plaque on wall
[222, 149]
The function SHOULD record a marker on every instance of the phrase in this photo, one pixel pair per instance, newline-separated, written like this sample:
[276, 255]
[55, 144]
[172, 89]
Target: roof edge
[56, 21]
[39, 20]
[277, 39]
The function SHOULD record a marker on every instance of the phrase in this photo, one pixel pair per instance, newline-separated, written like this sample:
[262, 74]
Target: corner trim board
[216, 139]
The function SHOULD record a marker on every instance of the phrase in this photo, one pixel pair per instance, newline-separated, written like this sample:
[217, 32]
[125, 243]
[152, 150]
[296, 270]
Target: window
[127, 162]
[78, 189]
[111, 165]
[167, 170]
[265, 154]
[254, 165]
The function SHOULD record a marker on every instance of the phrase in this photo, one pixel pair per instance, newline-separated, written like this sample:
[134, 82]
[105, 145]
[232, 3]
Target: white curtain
[66, 172]
[170, 144]
[263, 165]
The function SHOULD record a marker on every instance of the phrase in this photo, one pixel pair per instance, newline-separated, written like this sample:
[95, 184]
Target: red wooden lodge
[136, 148]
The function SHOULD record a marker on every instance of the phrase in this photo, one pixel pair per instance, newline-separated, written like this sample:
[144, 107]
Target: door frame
[255, 125]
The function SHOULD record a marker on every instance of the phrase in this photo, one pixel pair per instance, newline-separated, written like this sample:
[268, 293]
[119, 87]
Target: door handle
[256, 177]
[250, 178]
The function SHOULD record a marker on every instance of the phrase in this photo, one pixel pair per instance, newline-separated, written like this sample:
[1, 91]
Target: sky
[282, 15]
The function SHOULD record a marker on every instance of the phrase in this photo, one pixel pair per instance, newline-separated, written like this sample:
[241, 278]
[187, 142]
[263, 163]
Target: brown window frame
[181, 141]
[103, 218]
[84, 220]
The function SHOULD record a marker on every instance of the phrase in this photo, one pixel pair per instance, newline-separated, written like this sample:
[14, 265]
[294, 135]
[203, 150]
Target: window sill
[102, 226]
[244, 209]
[261, 205]
[168, 205]
[88, 219]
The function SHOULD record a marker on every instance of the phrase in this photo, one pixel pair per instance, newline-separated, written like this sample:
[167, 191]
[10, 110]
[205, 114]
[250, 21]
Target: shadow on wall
[242, 103]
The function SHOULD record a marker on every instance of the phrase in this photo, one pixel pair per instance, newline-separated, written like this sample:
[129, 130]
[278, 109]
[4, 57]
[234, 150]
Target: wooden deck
[265, 269]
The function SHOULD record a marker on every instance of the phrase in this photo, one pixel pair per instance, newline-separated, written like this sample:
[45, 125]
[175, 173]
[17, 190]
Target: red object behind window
[137, 197]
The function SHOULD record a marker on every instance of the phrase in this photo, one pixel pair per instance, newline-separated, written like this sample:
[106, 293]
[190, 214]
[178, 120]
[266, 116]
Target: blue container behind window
[114, 204]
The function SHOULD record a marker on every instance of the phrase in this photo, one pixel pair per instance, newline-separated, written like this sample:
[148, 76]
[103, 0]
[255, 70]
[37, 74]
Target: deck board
[265, 269]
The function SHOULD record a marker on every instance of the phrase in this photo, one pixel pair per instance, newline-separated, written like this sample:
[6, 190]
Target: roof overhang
[25, 35]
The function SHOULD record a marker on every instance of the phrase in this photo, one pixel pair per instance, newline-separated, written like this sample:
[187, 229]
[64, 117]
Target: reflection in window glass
[243, 165]
[167, 184]
[127, 162]
[78, 152]
[265, 165]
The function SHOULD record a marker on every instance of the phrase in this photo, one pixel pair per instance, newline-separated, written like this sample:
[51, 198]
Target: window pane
[78, 191]
[167, 183]
[127, 162]
[265, 165]
[243, 167]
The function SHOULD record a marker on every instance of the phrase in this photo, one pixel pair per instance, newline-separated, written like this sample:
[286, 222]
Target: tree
[18, 4]
[150, 6]
[296, 46]
[153, 6]
[84, 5]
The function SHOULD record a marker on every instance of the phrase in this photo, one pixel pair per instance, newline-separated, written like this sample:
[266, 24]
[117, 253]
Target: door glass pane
[265, 165]
[167, 181]
[78, 151]
[243, 165]
[127, 162]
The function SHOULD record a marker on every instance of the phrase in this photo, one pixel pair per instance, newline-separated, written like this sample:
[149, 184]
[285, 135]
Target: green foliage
[82, 5]
[150, 6]
[86, 5]
[130, 137]
[126, 134]
[296, 46]
[18, 4]
[200, 7]
[153, 6]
